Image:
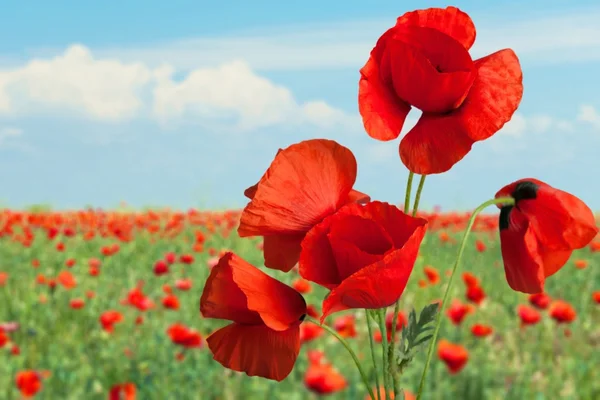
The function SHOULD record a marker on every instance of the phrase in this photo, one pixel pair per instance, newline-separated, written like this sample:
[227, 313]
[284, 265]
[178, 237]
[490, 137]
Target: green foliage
[417, 333]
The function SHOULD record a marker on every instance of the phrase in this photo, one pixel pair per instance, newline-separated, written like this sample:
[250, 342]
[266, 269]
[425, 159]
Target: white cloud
[536, 123]
[8, 133]
[588, 114]
[539, 38]
[112, 90]
[104, 89]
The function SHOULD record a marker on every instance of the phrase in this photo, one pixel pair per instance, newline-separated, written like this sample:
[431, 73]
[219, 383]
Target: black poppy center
[505, 216]
[302, 317]
[524, 191]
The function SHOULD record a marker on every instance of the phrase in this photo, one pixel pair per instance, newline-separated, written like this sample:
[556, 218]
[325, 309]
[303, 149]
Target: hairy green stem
[501, 200]
[407, 194]
[352, 354]
[418, 195]
[373, 355]
[384, 351]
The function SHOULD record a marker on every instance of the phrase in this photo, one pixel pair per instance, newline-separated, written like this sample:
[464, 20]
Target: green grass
[538, 362]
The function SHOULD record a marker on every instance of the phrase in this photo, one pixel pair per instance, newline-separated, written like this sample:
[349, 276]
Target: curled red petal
[306, 182]
[450, 20]
[383, 112]
[256, 349]
[429, 69]
[278, 305]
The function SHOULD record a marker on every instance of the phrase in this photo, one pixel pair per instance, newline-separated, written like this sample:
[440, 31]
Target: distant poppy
[345, 326]
[264, 337]
[184, 336]
[539, 233]
[596, 297]
[453, 355]
[363, 254]
[528, 315]
[481, 330]
[562, 312]
[322, 378]
[305, 183]
[475, 294]
[424, 62]
[28, 382]
[458, 311]
[433, 276]
[540, 300]
[122, 391]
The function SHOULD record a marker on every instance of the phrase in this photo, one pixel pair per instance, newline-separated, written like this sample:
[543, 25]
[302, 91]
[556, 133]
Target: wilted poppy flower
[539, 233]
[528, 315]
[122, 391]
[424, 62]
[364, 254]
[562, 312]
[264, 338]
[305, 183]
[481, 330]
[540, 300]
[453, 355]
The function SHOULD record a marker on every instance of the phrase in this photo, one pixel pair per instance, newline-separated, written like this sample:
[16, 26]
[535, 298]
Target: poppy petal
[553, 260]
[222, 298]
[305, 182]
[450, 20]
[382, 111]
[429, 69]
[376, 286]
[282, 251]
[494, 96]
[435, 144]
[358, 197]
[256, 349]
[520, 252]
[251, 191]
[278, 305]
[317, 261]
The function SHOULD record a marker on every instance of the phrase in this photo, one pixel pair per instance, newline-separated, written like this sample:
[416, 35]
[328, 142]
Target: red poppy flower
[453, 355]
[539, 233]
[481, 330]
[364, 254]
[122, 391]
[264, 338]
[345, 326]
[475, 294]
[562, 312]
[322, 378]
[184, 336]
[596, 297]
[305, 183]
[458, 311]
[28, 382]
[424, 62]
[540, 300]
[528, 315]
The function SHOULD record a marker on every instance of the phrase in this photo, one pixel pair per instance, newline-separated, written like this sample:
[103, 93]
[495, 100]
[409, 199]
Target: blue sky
[184, 104]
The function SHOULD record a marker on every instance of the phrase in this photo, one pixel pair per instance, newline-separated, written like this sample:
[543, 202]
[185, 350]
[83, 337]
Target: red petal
[450, 20]
[494, 96]
[435, 144]
[560, 220]
[520, 253]
[305, 183]
[282, 251]
[429, 69]
[357, 242]
[553, 260]
[382, 112]
[358, 197]
[251, 191]
[378, 285]
[278, 305]
[256, 349]
[222, 298]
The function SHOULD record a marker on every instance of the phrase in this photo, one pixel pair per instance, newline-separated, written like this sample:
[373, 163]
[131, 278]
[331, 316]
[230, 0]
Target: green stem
[408, 190]
[418, 195]
[347, 346]
[385, 351]
[397, 306]
[376, 372]
[502, 200]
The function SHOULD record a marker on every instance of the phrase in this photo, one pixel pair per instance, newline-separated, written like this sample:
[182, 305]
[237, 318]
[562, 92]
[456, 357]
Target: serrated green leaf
[428, 314]
[423, 340]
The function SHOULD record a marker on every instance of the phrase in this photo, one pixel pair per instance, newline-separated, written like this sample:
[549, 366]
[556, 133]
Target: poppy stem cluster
[506, 201]
[343, 341]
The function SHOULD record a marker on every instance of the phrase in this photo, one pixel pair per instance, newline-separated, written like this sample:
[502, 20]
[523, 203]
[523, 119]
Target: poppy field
[99, 301]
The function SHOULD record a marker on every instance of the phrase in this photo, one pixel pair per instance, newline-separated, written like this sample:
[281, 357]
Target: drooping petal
[282, 251]
[450, 20]
[494, 96]
[435, 144]
[240, 292]
[256, 349]
[222, 298]
[376, 286]
[520, 252]
[382, 111]
[305, 182]
[429, 69]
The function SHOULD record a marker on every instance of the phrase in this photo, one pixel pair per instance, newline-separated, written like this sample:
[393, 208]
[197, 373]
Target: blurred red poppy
[364, 254]
[305, 183]
[264, 338]
[539, 233]
[424, 62]
[453, 355]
